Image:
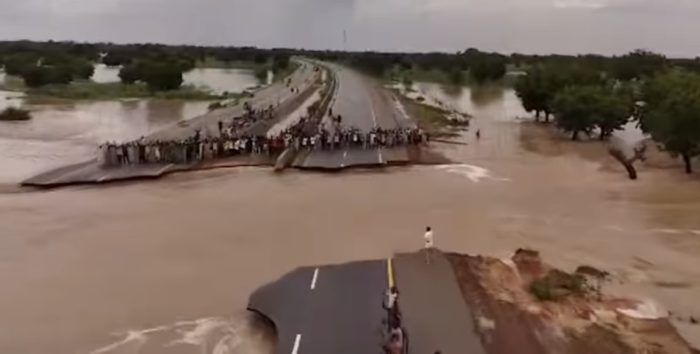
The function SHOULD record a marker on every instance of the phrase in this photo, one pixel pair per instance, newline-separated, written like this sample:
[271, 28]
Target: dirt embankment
[522, 305]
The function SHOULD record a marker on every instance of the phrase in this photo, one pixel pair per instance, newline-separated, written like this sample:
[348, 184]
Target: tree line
[158, 66]
[660, 94]
[585, 93]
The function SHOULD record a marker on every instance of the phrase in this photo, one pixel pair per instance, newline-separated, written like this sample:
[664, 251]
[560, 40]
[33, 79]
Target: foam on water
[215, 335]
[473, 173]
[647, 309]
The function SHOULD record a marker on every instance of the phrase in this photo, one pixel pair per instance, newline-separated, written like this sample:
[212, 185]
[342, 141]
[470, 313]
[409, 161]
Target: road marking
[345, 154]
[381, 160]
[296, 344]
[164, 168]
[371, 108]
[313, 281]
[390, 272]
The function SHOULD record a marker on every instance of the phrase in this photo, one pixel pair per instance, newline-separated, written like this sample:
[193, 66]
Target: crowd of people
[230, 141]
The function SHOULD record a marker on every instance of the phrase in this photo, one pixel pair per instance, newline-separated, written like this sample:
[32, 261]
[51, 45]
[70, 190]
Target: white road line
[345, 154]
[381, 160]
[371, 108]
[164, 168]
[296, 344]
[313, 281]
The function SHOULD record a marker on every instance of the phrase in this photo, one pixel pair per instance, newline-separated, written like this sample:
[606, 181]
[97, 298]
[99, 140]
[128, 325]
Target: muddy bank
[523, 305]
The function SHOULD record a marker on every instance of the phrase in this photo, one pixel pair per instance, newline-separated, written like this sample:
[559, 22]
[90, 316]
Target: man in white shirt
[428, 243]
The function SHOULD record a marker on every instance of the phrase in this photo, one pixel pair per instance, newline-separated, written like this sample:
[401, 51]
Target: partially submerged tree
[583, 108]
[488, 69]
[12, 113]
[162, 75]
[672, 114]
[572, 107]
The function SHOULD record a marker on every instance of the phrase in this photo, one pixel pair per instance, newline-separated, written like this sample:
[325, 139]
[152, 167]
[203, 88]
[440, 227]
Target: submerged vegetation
[14, 114]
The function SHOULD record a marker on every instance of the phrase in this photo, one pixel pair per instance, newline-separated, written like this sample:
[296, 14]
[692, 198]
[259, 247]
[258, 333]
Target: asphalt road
[434, 312]
[330, 309]
[363, 104]
[274, 94]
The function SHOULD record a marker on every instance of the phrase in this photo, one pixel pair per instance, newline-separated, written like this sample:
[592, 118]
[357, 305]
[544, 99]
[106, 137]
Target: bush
[14, 114]
[557, 285]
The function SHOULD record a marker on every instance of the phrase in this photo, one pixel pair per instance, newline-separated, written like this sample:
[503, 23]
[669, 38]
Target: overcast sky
[529, 26]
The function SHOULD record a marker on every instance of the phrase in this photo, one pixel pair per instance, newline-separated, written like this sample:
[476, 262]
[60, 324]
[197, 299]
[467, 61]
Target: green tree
[539, 86]
[16, 63]
[36, 76]
[280, 62]
[532, 92]
[456, 76]
[637, 64]
[613, 108]
[488, 69]
[129, 74]
[573, 108]
[162, 76]
[83, 69]
[672, 114]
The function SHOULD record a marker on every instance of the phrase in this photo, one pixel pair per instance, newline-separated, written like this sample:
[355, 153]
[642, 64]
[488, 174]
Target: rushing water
[167, 266]
[69, 133]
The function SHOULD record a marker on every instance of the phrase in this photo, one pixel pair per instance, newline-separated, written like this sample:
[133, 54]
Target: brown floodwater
[167, 266]
[60, 134]
[217, 80]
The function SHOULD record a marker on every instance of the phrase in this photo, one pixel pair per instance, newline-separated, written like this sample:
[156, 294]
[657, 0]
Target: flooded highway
[61, 134]
[167, 266]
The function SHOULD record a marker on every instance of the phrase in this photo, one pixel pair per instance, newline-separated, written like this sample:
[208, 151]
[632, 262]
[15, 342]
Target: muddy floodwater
[167, 266]
[60, 134]
[218, 80]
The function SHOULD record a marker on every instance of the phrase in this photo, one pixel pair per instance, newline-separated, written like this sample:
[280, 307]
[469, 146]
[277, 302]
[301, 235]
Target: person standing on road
[478, 134]
[428, 236]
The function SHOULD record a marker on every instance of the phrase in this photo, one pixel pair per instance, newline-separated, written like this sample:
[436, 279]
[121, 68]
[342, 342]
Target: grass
[431, 119]
[14, 114]
[88, 90]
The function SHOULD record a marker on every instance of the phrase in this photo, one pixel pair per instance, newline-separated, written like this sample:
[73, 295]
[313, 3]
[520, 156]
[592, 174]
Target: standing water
[167, 266]
[60, 134]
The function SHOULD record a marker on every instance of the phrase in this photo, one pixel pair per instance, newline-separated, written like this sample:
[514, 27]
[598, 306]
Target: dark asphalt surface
[341, 314]
[363, 104]
[435, 314]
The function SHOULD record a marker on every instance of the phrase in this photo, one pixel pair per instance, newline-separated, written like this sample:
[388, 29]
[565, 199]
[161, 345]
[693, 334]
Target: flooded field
[218, 80]
[61, 134]
[167, 266]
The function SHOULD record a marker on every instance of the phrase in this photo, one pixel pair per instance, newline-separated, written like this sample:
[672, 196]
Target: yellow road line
[390, 272]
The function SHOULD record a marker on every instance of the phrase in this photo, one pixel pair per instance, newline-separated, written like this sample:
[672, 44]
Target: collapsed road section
[461, 304]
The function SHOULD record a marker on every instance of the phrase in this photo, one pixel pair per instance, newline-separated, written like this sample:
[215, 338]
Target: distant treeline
[482, 66]
[159, 66]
